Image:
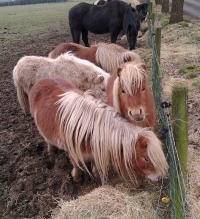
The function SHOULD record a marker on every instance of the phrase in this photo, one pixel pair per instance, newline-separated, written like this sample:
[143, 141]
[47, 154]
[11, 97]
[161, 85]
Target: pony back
[81, 73]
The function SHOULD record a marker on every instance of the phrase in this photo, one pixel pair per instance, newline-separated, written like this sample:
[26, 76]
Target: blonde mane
[112, 56]
[131, 77]
[83, 118]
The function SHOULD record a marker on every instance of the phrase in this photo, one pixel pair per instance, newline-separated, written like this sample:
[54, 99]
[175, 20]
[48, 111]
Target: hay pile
[107, 202]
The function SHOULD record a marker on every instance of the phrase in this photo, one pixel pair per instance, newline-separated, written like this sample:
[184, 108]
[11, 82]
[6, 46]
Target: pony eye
[146, 159]
[143, 88]
[123, 91]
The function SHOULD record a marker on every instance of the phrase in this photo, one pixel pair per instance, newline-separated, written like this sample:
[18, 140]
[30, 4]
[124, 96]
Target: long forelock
[155, 152]
[132, 77]
[115, 91]
[85, 118]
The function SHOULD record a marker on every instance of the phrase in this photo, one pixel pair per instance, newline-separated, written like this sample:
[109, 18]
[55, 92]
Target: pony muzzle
[136, 115]
[154, 177]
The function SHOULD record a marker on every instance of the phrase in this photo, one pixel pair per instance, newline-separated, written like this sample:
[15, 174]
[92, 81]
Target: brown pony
[91, 131]
[107, 56]
[128, 92]
[81, 73]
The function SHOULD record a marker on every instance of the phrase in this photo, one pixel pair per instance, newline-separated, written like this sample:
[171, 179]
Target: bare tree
[158, 2]
[165, 6]
[176, 15]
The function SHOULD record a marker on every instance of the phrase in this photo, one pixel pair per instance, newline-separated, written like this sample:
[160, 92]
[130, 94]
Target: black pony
[112, 17]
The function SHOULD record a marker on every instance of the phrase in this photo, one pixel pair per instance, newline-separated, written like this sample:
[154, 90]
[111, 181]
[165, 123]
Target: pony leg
[76, 172]
[76, 36]
[51, 149]
[114, 35]
[94, 170]
[85, 37]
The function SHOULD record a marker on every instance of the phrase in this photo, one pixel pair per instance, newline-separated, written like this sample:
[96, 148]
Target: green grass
[191, 75]
[165, 23]
[182, 70]
[17, 22]
[197, 83]
[189, 70]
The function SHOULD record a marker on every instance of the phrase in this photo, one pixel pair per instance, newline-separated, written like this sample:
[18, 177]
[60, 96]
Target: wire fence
[176, 198]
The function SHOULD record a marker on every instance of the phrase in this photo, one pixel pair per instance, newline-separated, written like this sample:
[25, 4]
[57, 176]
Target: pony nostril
[103, 89]
[131, 114]
[140, 111]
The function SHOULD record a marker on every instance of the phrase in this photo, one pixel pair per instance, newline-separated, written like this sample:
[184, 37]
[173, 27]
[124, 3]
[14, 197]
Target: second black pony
[112, 17]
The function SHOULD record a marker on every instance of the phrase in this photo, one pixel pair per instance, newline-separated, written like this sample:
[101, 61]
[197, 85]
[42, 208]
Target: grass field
[17, 22]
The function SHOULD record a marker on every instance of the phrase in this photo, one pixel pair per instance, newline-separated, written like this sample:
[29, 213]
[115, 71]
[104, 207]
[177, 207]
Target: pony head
[149, 160]
[131, 24]
[130, 87]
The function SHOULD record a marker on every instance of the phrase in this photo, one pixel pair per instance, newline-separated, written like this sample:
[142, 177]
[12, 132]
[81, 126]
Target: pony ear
[142, 65]
[139, 7]
[99, 80]
[119, 71]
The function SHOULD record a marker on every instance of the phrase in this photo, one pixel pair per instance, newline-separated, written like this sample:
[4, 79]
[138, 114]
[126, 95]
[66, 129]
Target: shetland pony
[128, 92]
[100, 19]
[107, 56]
[91, 131]
[82, 73]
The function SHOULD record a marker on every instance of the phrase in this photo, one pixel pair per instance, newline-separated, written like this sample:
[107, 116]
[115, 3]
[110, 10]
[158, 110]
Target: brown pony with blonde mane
[91, 131]
[129, 93]
[107, 56]
[81, 73]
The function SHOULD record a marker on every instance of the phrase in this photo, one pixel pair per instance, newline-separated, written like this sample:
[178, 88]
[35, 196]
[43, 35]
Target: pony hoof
[52, 150]
[77, 179]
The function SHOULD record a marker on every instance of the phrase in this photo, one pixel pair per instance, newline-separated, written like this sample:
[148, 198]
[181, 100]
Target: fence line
[177, 200]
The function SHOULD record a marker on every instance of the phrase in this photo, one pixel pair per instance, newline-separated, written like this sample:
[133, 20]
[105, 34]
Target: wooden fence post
[180, 132]
[158, 47]
[158, 41]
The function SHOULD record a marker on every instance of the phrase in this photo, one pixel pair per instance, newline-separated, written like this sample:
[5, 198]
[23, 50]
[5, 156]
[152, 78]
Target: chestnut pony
[129, 93]
[82, 73]
[91, 131]
[107, 56]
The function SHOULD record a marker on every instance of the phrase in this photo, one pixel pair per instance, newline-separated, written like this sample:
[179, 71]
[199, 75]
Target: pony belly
[56, 141]
[96, 26]
[97, 29]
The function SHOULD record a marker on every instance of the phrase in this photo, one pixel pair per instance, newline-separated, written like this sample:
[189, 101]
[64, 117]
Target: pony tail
[21, 94]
